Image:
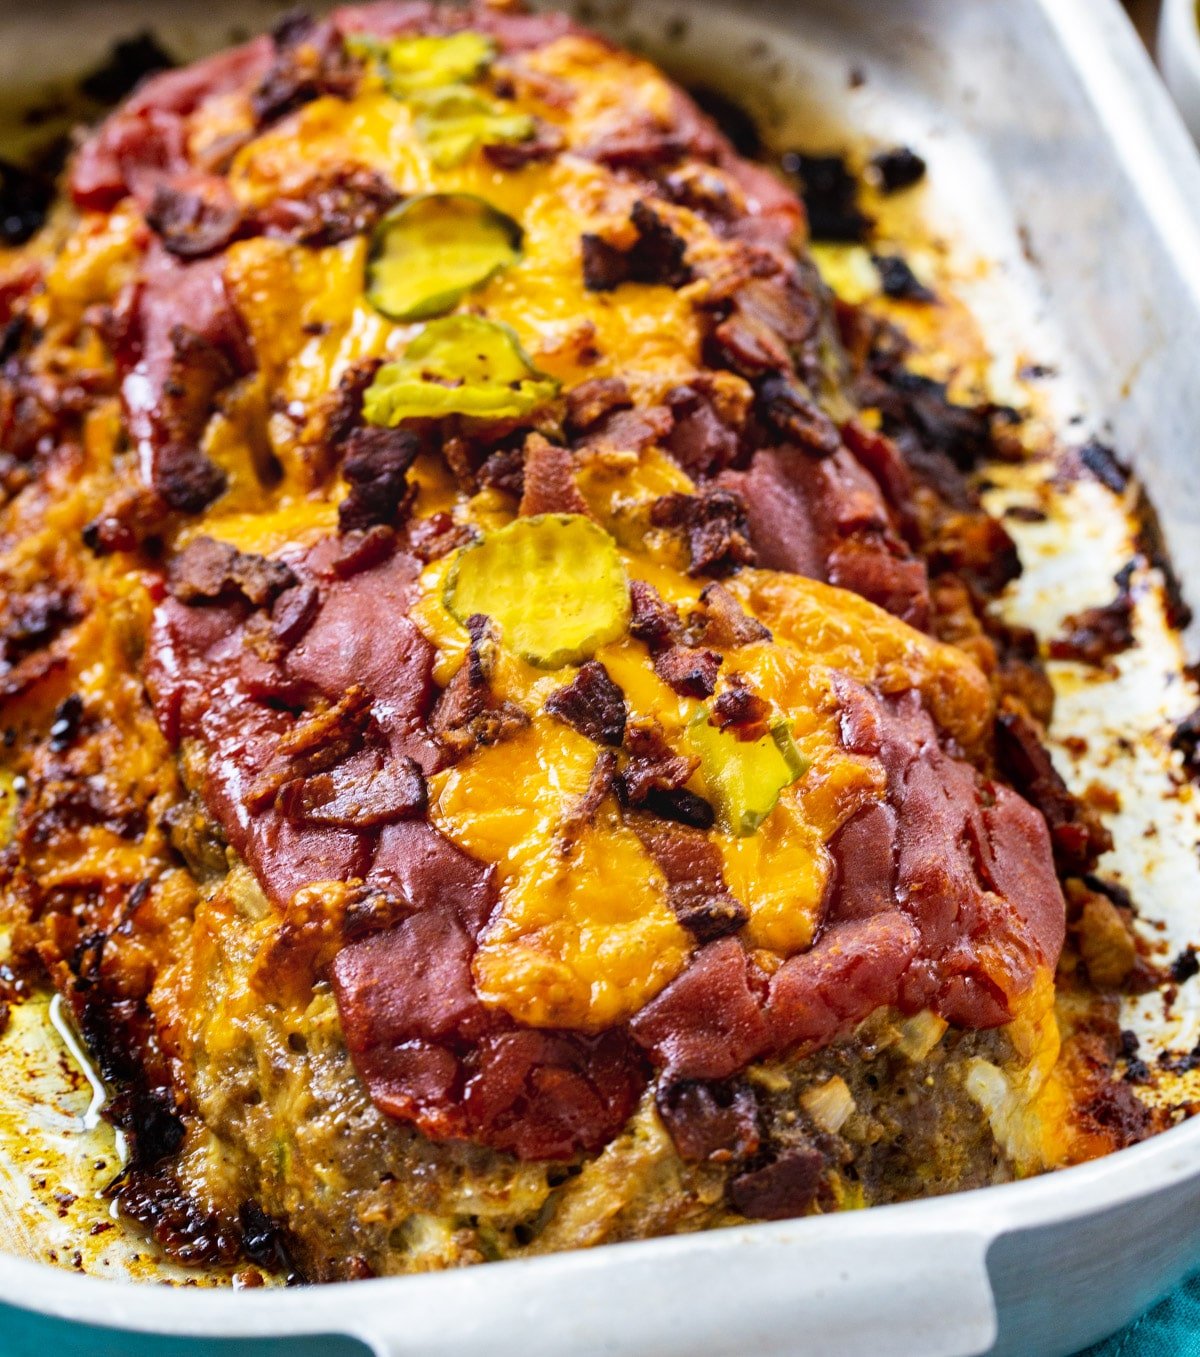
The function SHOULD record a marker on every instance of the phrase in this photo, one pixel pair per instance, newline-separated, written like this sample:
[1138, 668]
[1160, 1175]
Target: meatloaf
[508, 743]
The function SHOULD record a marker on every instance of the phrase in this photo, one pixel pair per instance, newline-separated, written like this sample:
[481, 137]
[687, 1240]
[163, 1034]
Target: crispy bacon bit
[549, 480]
[195, 217]
[1078, 837]
[293, 613]
[360, 549]
[311, 60]
[627, 430]
[696, 889]
[342, 412]
[376, 465]
[592, 704]
[786, 1188]
[701, 442]
[770, 320]
[207, 571]
[690, 672]
[437, 536]
[739, 710]
[467, 714]
[364, 791]
[313, 746]
[583, 812]
[717, 531]
[653, 621]
[717, 1122]
[723, 623]
[185, 476]
[1096, 634]
[787, 407]
[545, 144]
[656, 257]
[334, 205]
[589, 402]
[654, 779]
[604, 266]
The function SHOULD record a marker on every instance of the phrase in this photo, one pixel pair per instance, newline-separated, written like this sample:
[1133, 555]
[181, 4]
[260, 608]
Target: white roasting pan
[1055, 155]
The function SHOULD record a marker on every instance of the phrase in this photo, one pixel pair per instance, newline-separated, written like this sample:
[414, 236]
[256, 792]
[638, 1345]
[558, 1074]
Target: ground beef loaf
[504, 741]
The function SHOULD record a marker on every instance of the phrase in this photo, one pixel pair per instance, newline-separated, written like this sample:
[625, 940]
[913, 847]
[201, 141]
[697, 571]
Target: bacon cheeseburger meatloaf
[487, 775]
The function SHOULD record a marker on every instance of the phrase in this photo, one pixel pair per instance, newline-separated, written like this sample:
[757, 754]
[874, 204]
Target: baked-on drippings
[484, 624]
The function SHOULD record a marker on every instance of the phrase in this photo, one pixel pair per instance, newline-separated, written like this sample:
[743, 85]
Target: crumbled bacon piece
[601, 782]
[654, 778]
[361, 792]
[722, 622]
[335, 205]
[628, 430]
[696, 888]
[701, 441]
[467, 714]
[196, 217]
[787, 407]
[437, 536]
[715, 522]
[376, 466]
[293, 613]
[690, 672]
[739, 710]
[549, 480]
[652, 620]
[592, 704]
[544, 144]
[207, 571]
[657, 256]
[360, 549]
[315, 744]
[311, 60]
[589, 402]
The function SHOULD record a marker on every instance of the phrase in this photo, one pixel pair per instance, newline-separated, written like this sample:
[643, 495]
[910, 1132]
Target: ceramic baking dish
[1056, 156]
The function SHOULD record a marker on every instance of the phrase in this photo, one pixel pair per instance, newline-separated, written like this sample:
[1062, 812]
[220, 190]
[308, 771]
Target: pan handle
[857, 1286]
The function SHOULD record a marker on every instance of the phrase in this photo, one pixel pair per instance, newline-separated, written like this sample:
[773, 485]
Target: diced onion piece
[920, 1034]
[461, 365]
[553, 584]
[429, 253]
[744, 777]
[453, 119]
[829, 1104]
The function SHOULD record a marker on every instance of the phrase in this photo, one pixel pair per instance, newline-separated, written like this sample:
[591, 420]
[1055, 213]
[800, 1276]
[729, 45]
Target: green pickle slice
[429, 253]
[745, 777]
[459, 365]
[554, 584]
[452, 120]
[412, 64]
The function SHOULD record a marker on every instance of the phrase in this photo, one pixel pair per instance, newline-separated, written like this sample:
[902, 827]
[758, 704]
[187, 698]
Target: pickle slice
[429, 253]
[411, 64]
[744, 777]
[452, 120]
[553, 584]
[459, 365]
